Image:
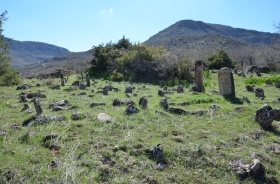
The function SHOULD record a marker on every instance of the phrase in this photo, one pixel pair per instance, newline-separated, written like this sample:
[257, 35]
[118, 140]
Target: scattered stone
[243, 74]
[238, 109]
[38, 106]
[226, 82]
[25, 86]
[135, 94]
[182, 103]
[82, 93]
[214, 107]
[265, 116]
[245, 99]
[117, 102]
[23, 98]
[275, 148]
[55, 87]
[78, 116]
[259, 92]
[96, 104]
[180, 89]
[38, 85]
[82, 86]
[251, 69]
[52, 135]
[104, 117]
[163, 103]
[37, 95]
[268, 82]
[60, 103]
[277, 84]
[76, 83]
[48, 118]
[244, 170]
[127, 95]
[249, 88]
[58, 108]
[157, 152]
[258, 73]
[25, 107]
[160, 92]
[130, 109]
[276, 114]
[128, 89]
[143, 102]
[179, 111]
[235, 71]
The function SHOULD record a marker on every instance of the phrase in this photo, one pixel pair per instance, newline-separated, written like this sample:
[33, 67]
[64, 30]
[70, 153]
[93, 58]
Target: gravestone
[265, 116]
[128, 89]
[163, 103]
[259, 92]
[62, 80]
[198, 85]
[143, 102]
[38, 106]
[226, 82]
[249, 88]
[277, 84]
[88, 80]
[180, 88]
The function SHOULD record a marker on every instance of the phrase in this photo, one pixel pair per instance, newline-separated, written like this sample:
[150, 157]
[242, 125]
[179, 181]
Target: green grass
[197, 149]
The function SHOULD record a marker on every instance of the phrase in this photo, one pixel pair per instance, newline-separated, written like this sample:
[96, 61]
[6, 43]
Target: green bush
[220, 60]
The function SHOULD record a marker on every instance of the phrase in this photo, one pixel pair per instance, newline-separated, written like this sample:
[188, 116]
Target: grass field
[197, 149]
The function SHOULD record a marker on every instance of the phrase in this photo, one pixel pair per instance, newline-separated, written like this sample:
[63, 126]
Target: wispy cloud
[106, 11]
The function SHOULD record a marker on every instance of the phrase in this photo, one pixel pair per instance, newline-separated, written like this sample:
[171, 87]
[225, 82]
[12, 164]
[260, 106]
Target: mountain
[75, 61]
[192, 28]
[28, 52]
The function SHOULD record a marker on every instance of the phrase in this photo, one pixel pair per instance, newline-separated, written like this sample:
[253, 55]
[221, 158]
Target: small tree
[220, 60]
[8, 76]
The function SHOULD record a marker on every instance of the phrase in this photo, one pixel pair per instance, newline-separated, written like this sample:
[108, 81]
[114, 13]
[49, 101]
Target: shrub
[220, 60]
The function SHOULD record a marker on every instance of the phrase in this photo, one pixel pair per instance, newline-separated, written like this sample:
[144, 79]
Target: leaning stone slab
[226, 82]
[265, 116]
[48, 118]
[104, 117]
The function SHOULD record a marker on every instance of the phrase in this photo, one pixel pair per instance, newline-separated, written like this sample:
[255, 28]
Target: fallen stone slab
[48, 118]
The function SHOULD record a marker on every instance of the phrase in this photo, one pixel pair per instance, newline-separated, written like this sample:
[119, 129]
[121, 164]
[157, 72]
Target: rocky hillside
[75, 61]
[192, 28]
[28, 52]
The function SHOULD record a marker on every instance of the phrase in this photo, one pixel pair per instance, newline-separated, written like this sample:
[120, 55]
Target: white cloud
[106, 11]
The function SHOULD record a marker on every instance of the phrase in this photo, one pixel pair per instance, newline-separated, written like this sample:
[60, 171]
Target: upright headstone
[88, 80]
[62, 80]
[38, 106]
[226, 82]
[198, 85]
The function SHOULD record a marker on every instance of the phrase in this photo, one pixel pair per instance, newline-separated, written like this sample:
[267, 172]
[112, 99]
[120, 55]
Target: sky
[80, 25]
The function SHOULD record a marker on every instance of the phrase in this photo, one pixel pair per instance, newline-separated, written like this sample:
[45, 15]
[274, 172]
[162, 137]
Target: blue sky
[78, 25]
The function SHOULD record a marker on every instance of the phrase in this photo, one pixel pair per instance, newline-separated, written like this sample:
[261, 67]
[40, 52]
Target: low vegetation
[196, 148]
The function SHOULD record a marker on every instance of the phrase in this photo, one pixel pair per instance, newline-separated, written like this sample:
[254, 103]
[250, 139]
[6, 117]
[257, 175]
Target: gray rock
[130, 109]
[259, 92]
[104, 117]
[48, 118]
[78, 116]
[249, 88]
[163, 102]
[143, 101]
[265, 116]
[96, 104]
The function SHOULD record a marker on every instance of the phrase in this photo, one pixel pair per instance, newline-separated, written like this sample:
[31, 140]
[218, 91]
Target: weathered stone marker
[38, 106]
[226, 82]
[265, 116]
[198, 77]
[88, 80]
[62, 80]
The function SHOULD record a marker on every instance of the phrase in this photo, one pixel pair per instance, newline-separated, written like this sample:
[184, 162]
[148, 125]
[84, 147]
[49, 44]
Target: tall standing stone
[38, 106]
[62, 80]
[226, 82]
[198, 86]
[88, 80]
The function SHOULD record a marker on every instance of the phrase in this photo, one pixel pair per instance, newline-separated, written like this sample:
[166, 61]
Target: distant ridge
[199, 28]
[29, 52]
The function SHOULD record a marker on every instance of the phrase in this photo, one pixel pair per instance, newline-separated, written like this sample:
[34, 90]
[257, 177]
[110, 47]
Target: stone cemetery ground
[79, 136]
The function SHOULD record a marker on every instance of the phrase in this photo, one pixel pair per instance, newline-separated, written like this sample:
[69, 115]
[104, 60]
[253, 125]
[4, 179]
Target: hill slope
[29, 52]
[198, 28]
